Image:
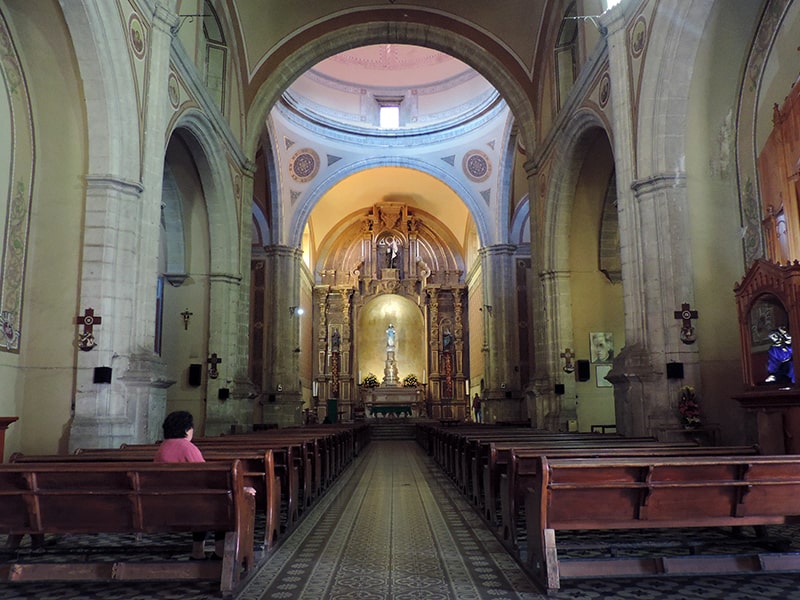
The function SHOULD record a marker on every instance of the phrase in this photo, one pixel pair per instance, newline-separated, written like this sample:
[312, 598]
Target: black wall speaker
[223, 393]
[271, 398]
[558, 388]
[583, 370]
[102, 375]
[674, 370]
[195, 374]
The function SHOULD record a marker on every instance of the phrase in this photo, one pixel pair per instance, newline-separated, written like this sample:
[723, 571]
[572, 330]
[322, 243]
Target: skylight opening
[390, 117]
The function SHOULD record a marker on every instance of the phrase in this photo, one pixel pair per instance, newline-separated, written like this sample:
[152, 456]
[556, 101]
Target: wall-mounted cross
[86, 337]
[568, 355]
[686, 314]
[213, 361]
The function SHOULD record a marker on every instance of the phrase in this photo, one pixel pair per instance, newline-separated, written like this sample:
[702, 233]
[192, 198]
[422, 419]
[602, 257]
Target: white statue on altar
[390, 337]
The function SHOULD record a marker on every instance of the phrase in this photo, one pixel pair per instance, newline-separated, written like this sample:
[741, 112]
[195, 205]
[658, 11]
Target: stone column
[229, 331]
[656, 266]
[497, 267]
[119, 279]
[282, 398]
[553, 411]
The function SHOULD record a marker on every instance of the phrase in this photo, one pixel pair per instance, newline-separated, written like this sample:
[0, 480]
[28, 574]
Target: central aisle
[393, 527]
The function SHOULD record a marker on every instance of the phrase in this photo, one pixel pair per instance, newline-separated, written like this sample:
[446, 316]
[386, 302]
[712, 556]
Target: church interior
[360, 236]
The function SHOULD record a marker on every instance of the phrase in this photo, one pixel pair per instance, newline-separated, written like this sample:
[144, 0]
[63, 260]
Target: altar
[380, 400]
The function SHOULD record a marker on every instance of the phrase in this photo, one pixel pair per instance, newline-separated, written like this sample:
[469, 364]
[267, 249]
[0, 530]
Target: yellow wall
[596, 302]
[54, 246]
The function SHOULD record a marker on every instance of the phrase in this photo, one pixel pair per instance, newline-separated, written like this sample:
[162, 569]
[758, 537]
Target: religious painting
[601, 346]
[137, 34]
[15, 207]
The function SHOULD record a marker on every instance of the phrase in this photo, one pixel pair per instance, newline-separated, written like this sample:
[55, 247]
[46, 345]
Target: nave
[394, 526]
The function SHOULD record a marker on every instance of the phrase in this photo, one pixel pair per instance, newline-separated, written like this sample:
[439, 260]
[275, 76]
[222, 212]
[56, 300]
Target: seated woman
[178, 447]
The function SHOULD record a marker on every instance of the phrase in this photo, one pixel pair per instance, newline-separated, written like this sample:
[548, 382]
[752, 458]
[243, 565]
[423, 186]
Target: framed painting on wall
[601, 346]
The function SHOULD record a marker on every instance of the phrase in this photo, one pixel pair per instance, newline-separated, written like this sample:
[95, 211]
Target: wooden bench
[129, 498]
[524, 462]
[658, 492]
[258, 470]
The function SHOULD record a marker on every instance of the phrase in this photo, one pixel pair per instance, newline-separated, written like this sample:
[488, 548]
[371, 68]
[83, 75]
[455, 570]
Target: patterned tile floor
[394, 527]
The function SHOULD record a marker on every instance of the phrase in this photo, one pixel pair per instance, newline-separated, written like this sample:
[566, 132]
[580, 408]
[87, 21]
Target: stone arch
[475, 204]
[218, 190]
[112, 117]
[396, 26]
[566, 172]
[668, 71]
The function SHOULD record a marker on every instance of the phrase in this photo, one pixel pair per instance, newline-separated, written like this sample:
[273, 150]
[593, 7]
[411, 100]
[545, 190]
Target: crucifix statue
[686, 314]
[568, 355]
[86, 338]
[213, 361]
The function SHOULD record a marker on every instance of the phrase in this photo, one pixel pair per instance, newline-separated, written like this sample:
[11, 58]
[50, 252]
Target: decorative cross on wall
[86, 338]
[686, 314]
[568, 355]
[213, 361]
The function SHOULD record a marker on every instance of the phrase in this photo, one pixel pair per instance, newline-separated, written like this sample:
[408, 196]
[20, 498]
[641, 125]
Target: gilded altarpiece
[388, 315]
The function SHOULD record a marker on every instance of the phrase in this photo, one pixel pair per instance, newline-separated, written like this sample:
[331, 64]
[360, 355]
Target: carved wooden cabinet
[768, 299]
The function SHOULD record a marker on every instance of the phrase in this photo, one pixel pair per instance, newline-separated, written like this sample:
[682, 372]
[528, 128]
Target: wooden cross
[213, 360]
[86, 338]
[568, 355]
[88, 319]
[686, 314]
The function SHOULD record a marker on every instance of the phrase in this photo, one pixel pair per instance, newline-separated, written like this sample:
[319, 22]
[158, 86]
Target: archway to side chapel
[183, 283]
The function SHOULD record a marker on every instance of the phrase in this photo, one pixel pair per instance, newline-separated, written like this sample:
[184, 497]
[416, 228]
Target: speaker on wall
[223, 393]
[558, 389]
[583, 370]
[102, 375]
[674, 370]
[195, 374]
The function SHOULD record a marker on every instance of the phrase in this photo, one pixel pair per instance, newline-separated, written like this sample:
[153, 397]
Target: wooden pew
[524, 461]
[493, 459]
[287, 466]
[658, 492]
[129, 498]
[258, 471]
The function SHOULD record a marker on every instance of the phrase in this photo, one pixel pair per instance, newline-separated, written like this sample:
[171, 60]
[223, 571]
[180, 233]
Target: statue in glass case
[779, 362]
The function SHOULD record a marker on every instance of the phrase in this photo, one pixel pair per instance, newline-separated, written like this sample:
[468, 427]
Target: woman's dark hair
[177, 424]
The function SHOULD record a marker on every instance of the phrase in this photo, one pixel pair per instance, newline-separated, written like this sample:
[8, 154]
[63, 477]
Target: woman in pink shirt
[178, 447]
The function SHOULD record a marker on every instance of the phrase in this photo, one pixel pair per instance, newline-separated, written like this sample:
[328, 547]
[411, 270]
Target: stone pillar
[229, 330]
[656, 266]
[119, 279]
[553, 411]
[500, 323]
[282, 397]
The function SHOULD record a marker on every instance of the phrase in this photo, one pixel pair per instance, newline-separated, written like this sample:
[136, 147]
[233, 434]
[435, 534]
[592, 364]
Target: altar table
[376, 410]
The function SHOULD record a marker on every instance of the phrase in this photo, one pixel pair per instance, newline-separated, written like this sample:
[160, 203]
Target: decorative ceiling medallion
[174, 91]
[638, 37]
[476, 165]
[605, 89]
[136, 33]
[304, 165]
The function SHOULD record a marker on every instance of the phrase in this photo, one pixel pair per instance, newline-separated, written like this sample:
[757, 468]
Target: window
[566, 56]
[216, 53]
[389, 111]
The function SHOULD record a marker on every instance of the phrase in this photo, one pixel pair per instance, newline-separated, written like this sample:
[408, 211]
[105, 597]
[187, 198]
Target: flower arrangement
[410, 380]
[370, 380]
[689, 408]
